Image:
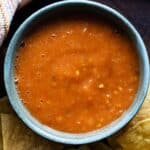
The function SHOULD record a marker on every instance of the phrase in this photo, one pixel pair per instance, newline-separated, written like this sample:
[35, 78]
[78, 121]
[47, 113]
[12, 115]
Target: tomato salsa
[76, 74]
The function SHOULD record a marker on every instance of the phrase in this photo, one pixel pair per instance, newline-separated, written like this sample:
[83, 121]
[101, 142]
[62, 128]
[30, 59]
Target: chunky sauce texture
[76, 74]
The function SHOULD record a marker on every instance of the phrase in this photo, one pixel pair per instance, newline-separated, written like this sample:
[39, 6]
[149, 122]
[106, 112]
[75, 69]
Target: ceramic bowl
[54, 10]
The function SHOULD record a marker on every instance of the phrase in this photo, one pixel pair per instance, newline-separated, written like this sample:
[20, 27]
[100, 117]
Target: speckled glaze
[55, 10]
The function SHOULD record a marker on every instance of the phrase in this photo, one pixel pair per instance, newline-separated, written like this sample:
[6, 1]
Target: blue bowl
[55, 10]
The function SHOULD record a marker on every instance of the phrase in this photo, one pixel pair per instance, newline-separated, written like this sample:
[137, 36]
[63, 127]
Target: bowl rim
[69, 138]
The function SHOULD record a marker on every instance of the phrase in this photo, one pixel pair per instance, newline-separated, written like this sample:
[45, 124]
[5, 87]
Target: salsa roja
[76, 74]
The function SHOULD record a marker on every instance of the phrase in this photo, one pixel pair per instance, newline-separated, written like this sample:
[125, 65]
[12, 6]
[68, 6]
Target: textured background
[137, 11]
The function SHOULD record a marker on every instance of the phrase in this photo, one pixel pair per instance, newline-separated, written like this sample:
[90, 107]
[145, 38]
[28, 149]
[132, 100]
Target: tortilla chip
[137, 138]
[100, 146]
[1, 139]
[16, 136]
[130, 137]
[113, 143]
[144, 112]
[83, 147]
[5, 107]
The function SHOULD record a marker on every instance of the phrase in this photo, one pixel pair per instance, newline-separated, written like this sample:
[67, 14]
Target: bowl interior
[49, 13]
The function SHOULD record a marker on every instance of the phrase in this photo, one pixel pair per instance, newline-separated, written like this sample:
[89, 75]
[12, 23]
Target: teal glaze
[54, 10]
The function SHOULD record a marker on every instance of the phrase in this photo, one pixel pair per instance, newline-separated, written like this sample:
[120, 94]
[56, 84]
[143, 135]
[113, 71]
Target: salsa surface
[76, 74]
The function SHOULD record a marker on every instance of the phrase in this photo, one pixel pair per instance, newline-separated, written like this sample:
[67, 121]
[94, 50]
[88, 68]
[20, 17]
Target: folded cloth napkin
[7, 11]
